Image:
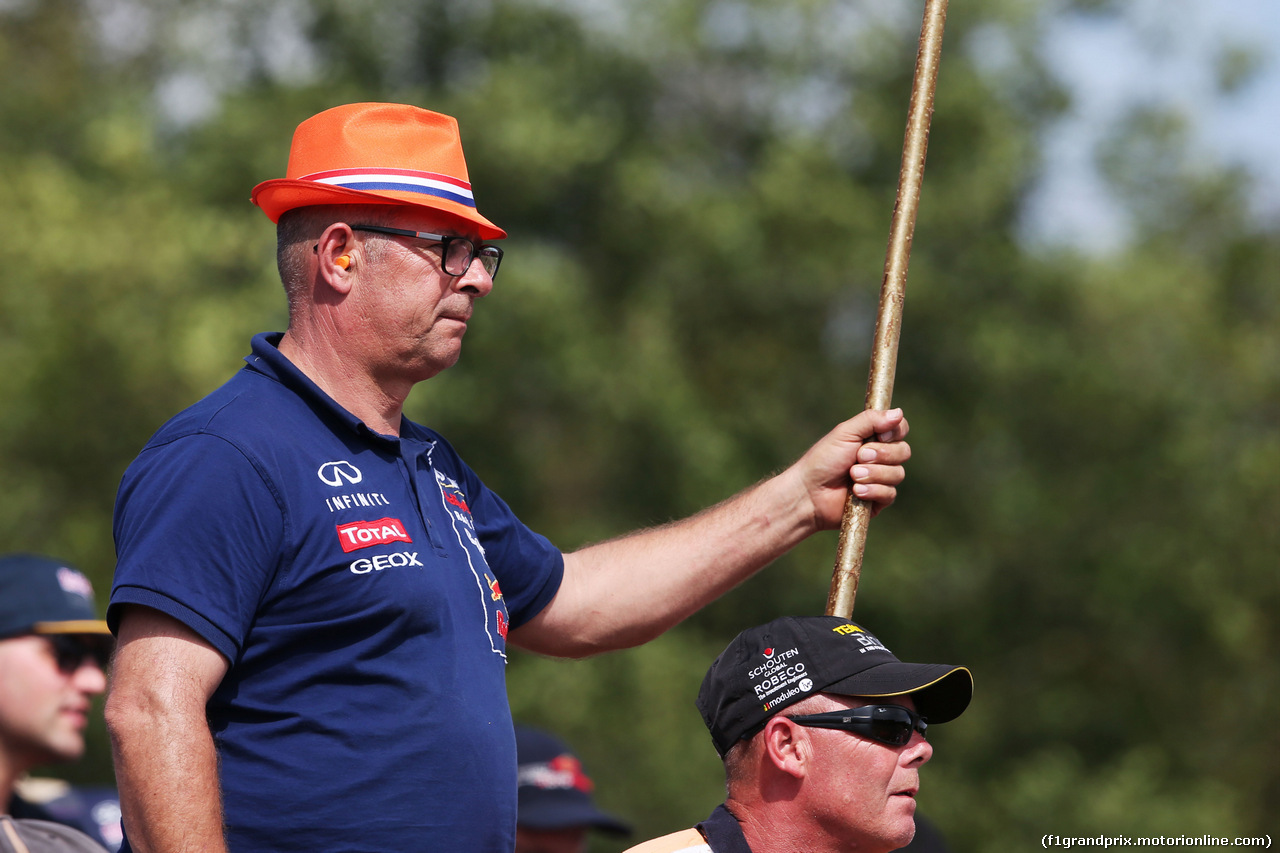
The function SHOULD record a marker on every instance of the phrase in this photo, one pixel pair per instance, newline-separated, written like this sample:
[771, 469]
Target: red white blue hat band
[401, 180]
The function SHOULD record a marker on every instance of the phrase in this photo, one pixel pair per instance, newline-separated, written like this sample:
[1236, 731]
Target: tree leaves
[698, 196]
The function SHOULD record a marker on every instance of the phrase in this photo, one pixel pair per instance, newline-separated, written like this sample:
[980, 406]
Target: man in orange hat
[314, 595]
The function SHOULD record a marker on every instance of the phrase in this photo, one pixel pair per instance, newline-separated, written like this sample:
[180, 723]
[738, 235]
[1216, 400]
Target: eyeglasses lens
[460, 253]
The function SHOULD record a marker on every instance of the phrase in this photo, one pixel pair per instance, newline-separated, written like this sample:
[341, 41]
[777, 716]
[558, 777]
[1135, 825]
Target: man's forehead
[904, 700]
[425, 219]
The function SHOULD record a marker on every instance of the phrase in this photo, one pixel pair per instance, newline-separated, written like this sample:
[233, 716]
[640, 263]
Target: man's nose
[89, 677]
[919, 750]
[476, 280]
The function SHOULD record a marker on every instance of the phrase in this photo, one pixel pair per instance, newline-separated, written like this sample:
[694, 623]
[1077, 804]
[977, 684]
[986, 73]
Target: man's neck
[349, 384]
[773, 828]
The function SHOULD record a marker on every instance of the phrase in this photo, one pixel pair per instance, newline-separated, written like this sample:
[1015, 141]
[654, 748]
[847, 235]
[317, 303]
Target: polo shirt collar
[267, 359]
[723, 832]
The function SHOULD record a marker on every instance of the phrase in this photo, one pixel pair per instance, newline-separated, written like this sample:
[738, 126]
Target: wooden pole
[893, 292]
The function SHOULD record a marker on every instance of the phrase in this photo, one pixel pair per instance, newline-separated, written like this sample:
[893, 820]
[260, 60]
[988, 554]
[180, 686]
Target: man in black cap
[53, 657]
[555, 810]
[822, 733]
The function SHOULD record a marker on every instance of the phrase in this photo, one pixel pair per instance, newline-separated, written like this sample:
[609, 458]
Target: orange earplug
[343, 261]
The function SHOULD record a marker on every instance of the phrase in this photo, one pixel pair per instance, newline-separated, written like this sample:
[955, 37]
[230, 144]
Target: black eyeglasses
[458, 254]
[888, 724]
[72, 650]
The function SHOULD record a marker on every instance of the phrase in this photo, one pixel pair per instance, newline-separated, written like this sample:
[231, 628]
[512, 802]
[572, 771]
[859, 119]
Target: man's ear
[336, 256]
[787, 747]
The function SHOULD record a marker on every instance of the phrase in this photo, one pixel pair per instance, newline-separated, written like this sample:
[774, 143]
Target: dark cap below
[39, 595]
[554, 790]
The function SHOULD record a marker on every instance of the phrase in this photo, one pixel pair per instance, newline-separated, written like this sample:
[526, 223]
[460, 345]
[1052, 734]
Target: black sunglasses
[72, 650]
[888, 724]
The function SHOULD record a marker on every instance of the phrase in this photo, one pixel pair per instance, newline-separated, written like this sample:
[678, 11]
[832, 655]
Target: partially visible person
[555, 812]
[53, 659]
[822, 733]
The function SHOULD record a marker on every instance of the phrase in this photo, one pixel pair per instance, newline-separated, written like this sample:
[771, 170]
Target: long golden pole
[893, 292]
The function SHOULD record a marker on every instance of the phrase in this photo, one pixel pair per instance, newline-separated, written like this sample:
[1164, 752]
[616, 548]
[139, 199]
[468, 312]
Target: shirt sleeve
[198, 531]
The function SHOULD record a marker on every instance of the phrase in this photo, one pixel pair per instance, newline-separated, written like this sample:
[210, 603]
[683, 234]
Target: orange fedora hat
[376, 154]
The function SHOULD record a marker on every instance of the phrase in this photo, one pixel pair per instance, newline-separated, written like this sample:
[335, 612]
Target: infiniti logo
[335, 473]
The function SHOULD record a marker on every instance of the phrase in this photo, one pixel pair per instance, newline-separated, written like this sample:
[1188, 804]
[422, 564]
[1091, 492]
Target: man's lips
[80, 716]
[456, 316]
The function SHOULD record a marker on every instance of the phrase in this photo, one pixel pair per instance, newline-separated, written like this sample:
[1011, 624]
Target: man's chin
[904, 829]
[65, 750]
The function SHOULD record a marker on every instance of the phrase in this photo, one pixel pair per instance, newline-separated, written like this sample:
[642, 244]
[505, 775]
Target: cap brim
[72, 626]
[275, 197]
[940, 691]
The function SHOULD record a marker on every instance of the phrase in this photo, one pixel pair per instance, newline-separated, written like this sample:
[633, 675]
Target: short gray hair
[298, 230]
[740, 757]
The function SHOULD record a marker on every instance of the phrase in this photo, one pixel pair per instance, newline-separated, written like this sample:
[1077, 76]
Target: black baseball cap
[772, 666]
[554, 791]
[40, 595]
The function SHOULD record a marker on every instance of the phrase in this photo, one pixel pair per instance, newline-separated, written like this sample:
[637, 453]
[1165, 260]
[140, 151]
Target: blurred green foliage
[698, 196]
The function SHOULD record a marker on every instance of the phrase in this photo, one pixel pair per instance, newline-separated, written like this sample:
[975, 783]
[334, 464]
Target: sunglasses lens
[101, 651]
[72, 652]
[892, 725]
[892, 732]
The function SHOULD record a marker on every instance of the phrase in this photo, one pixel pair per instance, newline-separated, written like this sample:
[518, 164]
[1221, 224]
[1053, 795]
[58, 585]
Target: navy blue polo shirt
[361, 587]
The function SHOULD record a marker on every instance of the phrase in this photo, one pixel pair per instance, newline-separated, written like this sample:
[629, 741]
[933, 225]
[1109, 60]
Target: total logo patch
[366, 534]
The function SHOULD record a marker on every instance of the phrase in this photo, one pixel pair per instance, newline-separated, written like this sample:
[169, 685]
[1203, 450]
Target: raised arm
[627, 591]
[166, 769]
